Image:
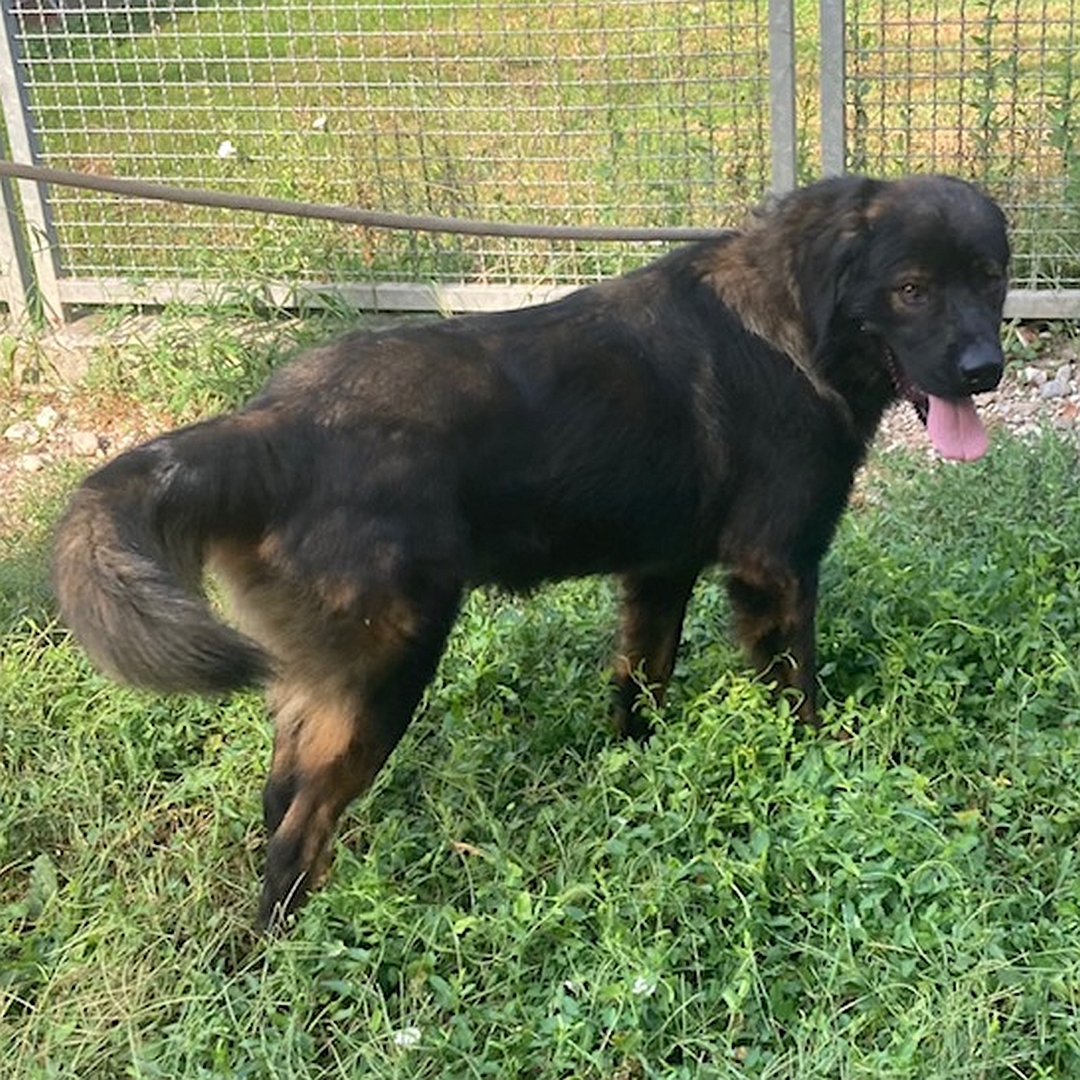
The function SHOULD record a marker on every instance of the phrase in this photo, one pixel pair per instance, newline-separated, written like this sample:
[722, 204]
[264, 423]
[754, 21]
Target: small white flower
[409, 1036]
[226, 150]
[644, 987]
[319, 123]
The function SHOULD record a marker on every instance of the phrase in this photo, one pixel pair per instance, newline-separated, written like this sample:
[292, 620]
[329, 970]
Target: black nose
[981, 366]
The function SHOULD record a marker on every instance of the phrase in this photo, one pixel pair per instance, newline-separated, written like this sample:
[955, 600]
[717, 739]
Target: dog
[710, 407]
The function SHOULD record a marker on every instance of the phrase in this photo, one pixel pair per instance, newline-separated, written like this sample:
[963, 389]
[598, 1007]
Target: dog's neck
[742, 273]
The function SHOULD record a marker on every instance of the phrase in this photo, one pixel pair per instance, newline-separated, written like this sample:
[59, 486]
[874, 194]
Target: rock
[22, 431]
[85, 443]
[1054, 388]
[46, 418]
[31, 463]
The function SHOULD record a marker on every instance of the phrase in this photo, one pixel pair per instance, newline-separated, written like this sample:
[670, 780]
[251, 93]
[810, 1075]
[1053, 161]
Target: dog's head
[918, 267]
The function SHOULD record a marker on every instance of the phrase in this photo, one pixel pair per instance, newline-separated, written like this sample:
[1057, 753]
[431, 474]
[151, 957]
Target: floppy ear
[828, 258]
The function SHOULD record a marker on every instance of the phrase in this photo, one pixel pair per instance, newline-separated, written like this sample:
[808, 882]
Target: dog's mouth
[952, 424]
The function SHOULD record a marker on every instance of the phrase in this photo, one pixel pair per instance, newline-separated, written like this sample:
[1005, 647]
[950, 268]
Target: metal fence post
[22, 142]
[15, 281]
[833, 73]
[782, 93]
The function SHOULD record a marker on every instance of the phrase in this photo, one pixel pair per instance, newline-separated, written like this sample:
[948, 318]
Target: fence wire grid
[985, 89]
[621, 112]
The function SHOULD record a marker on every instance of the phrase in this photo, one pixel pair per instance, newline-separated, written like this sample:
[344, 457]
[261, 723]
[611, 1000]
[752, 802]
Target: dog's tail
[130, 549]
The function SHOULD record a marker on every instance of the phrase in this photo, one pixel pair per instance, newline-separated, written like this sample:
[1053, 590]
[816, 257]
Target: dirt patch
[49, 415]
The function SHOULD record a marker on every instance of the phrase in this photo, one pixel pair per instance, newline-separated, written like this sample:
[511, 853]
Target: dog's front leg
[652, 616]
[775, 620]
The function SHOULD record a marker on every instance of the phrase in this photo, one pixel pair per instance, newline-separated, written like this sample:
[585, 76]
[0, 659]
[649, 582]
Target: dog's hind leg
[335, 726]
[774, 612]
[652, 617]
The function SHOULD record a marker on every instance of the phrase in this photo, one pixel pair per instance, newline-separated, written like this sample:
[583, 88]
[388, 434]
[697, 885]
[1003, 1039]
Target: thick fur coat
[711, 407]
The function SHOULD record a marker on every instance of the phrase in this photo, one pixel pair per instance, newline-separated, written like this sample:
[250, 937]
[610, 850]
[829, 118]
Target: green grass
[523, 896]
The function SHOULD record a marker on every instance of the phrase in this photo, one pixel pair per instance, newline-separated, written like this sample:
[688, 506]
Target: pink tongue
[955, 429]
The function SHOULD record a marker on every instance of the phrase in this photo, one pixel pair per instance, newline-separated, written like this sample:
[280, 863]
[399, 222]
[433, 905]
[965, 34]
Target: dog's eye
[912, 293]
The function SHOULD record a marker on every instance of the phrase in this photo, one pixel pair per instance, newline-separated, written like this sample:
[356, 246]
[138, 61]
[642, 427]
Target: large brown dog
[710, 407]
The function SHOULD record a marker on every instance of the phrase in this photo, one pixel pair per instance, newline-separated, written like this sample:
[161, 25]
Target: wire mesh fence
[646, 112]
[638, 112]
[988, 89]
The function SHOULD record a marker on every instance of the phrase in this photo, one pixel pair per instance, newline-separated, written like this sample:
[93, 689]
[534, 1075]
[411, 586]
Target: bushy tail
[129, 553]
